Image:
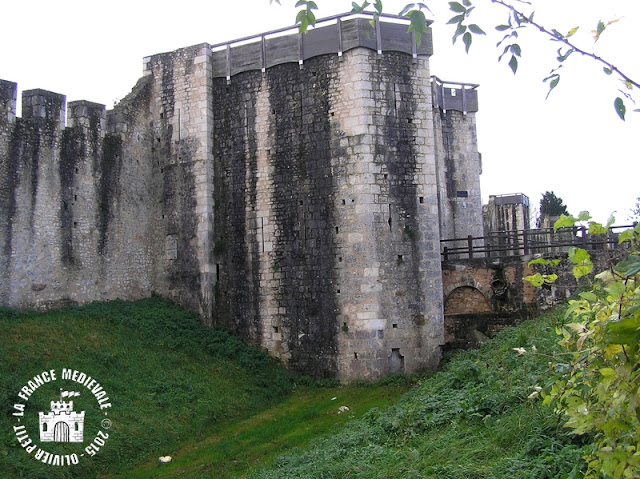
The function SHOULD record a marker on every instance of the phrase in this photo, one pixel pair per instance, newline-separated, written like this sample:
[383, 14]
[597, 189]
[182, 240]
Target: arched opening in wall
[466, 300]
[396, 361]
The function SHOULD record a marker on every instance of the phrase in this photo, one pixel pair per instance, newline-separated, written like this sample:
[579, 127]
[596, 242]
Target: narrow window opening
[462, 194]
[340, 259]
[301, 202]
[421, 199]
[217, 272]
[75, 224]
[453, 92]
[76, 170]
[275, 329]
[75, 197]
[394, 325]
[337, 230]
[161, 115]
[355, 355]
[344, 202]
[337, 291]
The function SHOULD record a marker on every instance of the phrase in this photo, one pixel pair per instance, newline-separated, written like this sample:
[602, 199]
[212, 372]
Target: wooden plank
[395, 37]
[282, 50]
[321, 41]
[246, 58]
[219, 63]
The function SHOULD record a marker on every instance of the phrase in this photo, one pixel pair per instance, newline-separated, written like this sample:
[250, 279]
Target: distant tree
[635, 211]
[551, 205]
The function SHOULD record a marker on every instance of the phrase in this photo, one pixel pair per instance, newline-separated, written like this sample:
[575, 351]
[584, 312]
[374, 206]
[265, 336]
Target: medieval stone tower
[293, 188]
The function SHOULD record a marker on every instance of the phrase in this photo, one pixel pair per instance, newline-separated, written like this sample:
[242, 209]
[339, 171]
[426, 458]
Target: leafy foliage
[598, 390]
[517, 20]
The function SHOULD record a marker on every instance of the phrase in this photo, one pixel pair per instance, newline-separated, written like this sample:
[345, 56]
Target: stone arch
[466, 299]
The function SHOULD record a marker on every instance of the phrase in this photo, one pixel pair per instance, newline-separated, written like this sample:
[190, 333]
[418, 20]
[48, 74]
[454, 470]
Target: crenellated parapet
[8, 97]
[44, 104]
[87, 114]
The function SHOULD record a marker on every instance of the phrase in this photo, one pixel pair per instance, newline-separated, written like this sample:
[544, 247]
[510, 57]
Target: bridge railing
[526, 242]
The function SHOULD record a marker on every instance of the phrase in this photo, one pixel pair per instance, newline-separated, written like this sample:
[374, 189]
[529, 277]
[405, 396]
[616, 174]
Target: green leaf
[625, 331]
[476, 29]
[611, 220]
[578, 255]
[596, 229]
[456, 7]
[629, 267]
[406, 8]
[466, 39]
[515, 48]
[535, 279]
[589, 296]
[608, 71]
[584, 216]
[513, 64]
[456, 19]
[378, 6]
[553, 83]
[621, 110]
[563, 56]
[582, 270]
[564, 222]
[502, 28]
[459, 31]
[541, 261]
[572, 32]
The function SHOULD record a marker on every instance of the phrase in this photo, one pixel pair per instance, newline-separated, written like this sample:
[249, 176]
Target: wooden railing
[526, 242]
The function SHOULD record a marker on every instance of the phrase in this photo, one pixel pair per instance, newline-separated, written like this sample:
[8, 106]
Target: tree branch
[568, 43]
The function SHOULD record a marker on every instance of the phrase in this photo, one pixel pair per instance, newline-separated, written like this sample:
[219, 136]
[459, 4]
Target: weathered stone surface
[301, 207]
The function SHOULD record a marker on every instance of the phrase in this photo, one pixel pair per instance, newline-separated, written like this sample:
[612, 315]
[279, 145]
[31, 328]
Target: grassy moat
[221, 409]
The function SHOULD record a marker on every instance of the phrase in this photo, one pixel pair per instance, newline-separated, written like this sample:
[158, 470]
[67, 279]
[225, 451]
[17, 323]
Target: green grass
[246, 445]
[170, 380]
[223, 410]
[471, 420]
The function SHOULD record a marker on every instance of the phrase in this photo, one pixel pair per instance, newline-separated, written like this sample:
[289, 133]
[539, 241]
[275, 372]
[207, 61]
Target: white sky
[572, 144]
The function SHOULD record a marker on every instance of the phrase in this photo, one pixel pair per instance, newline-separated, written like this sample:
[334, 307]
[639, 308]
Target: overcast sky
[573, 143]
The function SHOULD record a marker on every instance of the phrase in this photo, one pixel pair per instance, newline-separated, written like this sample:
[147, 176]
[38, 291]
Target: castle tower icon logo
[76, 427]
[62, 424]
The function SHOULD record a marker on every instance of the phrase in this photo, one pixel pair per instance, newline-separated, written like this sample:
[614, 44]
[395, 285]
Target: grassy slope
[471, 420]
[245, 445]
[193, 392]
[170, 380]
